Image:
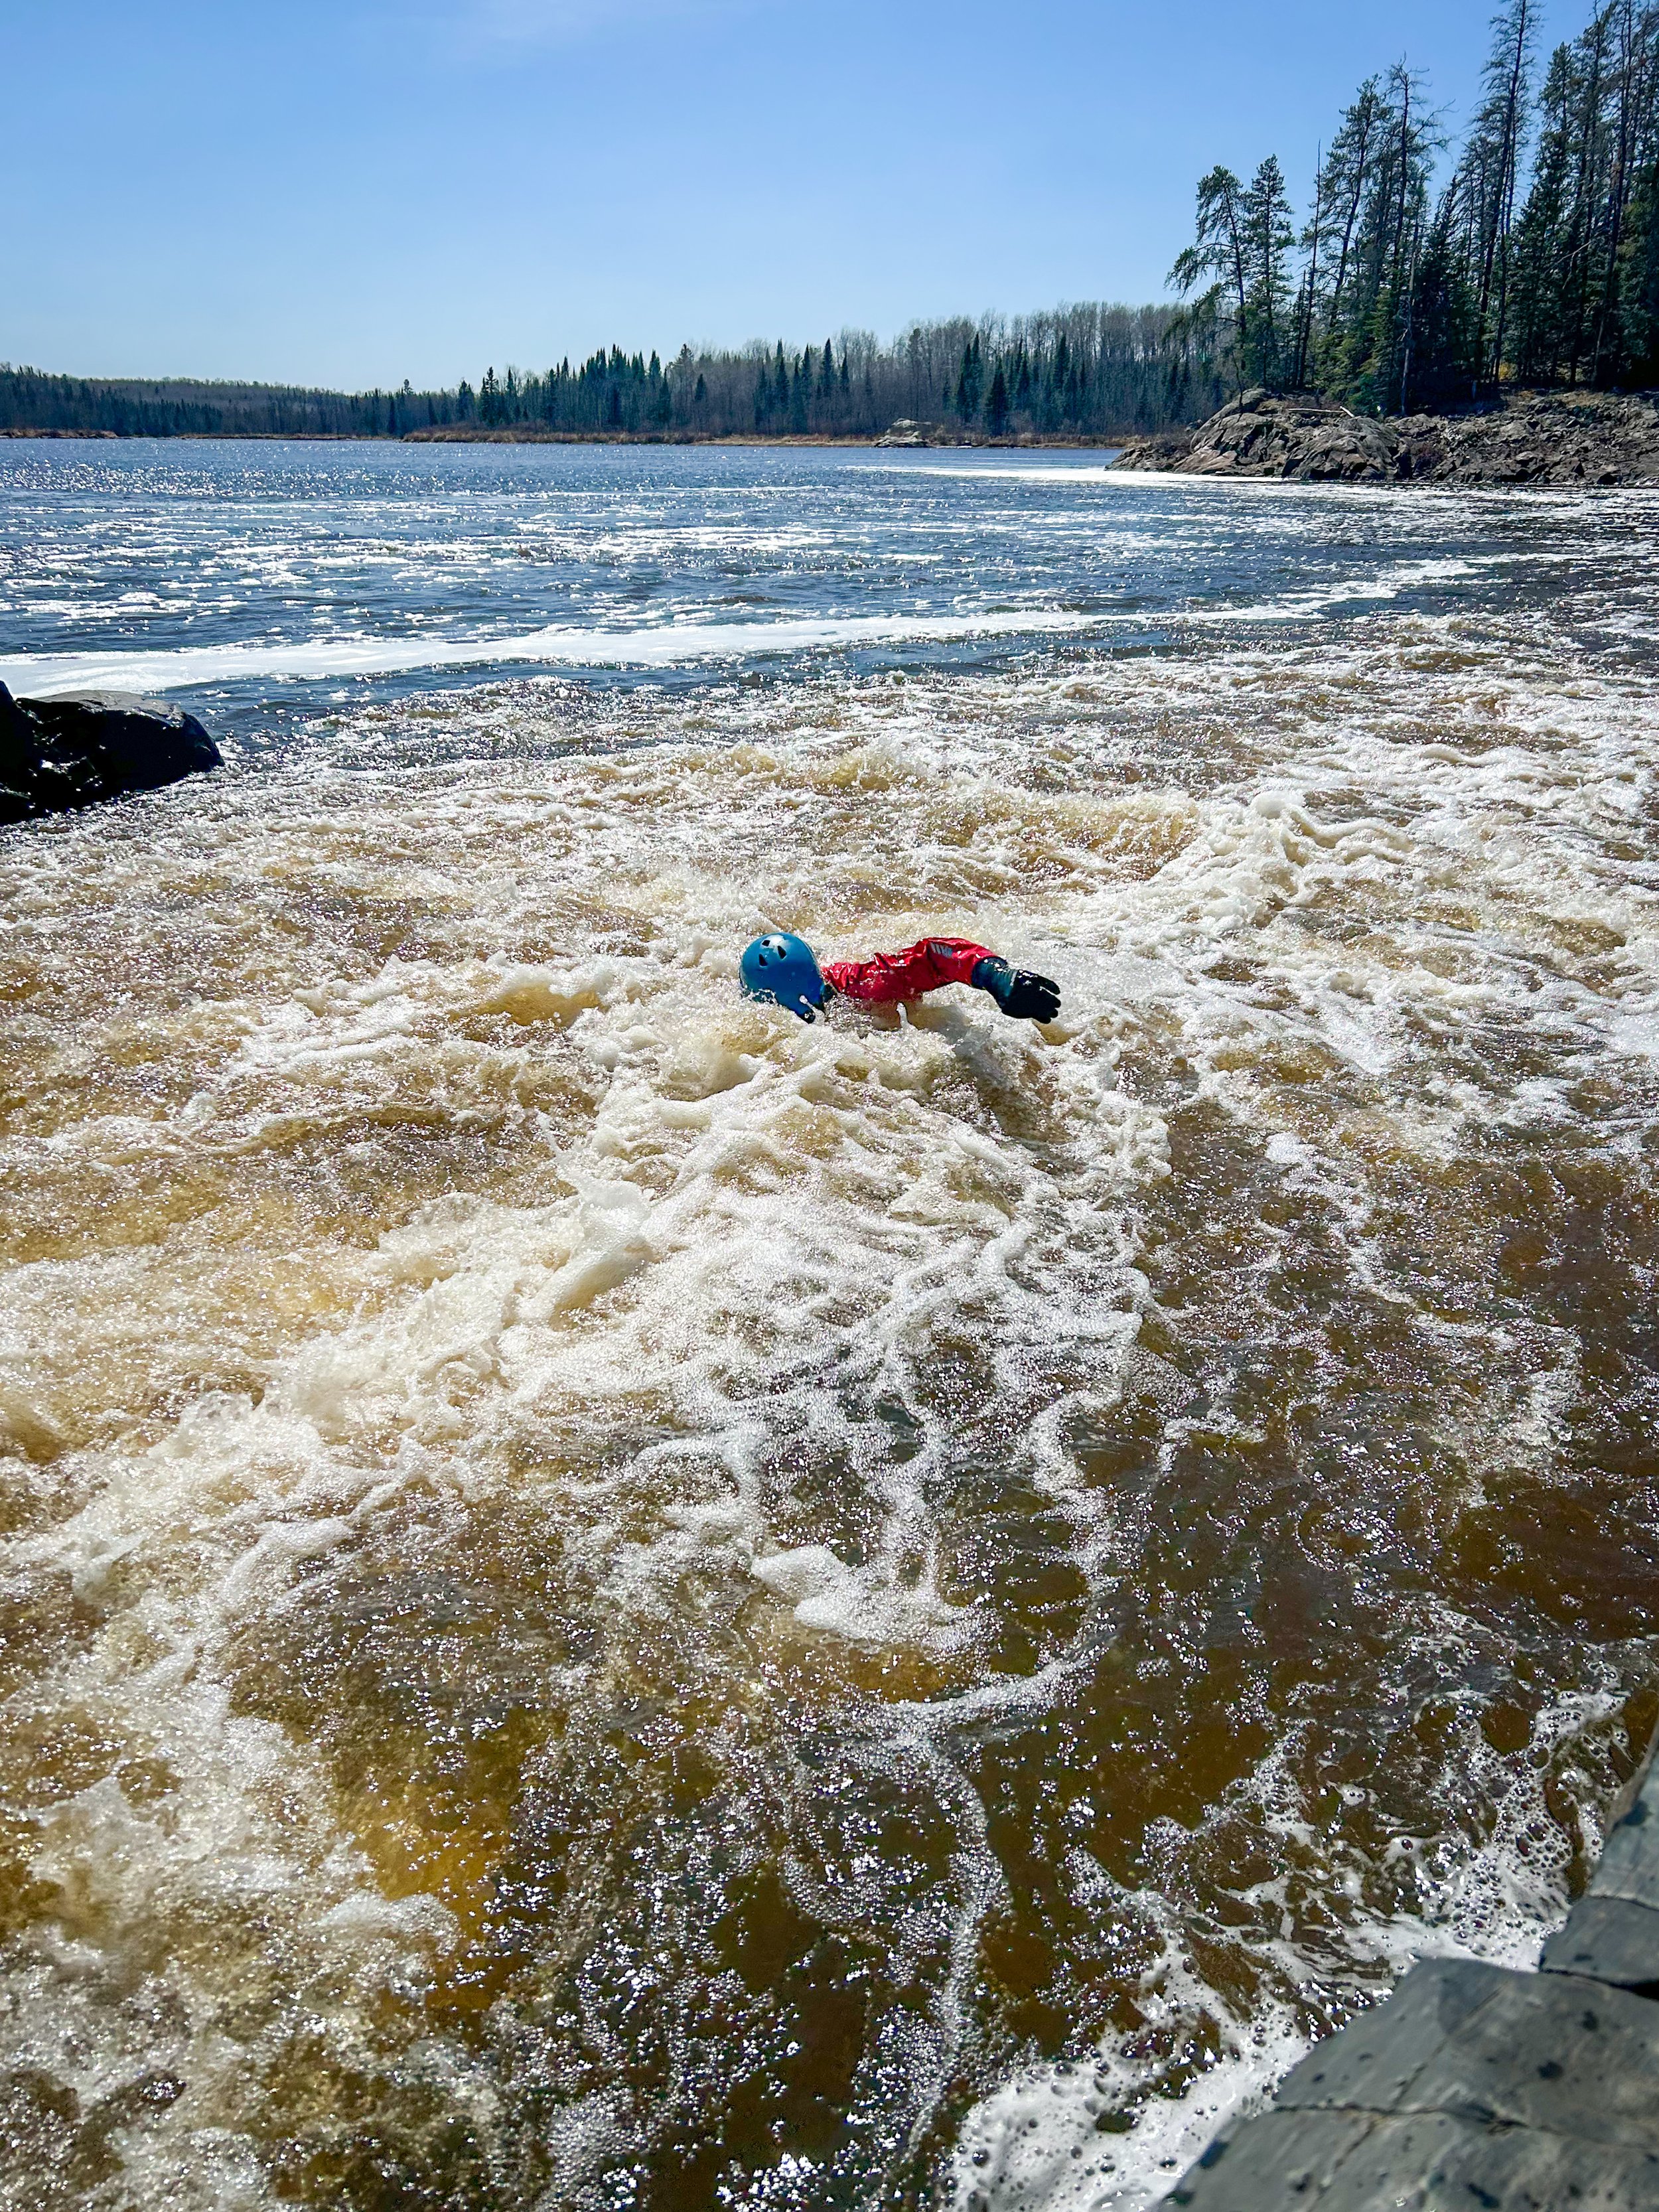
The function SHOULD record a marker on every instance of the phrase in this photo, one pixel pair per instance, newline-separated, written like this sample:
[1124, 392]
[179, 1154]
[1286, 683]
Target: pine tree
[969, 380]
[1443, 347]
[1371, 341]
[1638, 274]
[1345, 181]
[1217, 250]
[1491, 165]
[1540, 232]
[1267, 235]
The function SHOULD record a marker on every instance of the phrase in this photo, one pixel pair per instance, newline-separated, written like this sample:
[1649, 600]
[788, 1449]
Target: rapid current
[616, 1604]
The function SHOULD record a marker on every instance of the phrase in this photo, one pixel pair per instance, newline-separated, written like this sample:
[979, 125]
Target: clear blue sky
[353, 193]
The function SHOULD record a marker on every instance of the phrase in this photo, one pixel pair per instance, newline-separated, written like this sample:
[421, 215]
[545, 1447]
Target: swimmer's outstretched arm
[933, 961]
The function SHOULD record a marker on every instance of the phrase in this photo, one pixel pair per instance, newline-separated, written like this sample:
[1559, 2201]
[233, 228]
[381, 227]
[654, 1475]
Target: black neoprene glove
[1019, 994]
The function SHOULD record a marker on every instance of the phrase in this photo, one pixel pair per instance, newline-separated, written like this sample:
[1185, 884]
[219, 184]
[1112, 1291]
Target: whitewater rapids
[612, 1600]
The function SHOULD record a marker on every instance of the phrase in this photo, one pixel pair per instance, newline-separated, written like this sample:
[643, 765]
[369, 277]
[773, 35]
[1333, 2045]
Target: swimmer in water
[786, 969]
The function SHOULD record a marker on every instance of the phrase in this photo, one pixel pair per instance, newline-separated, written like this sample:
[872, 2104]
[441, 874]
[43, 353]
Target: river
[617, 1604]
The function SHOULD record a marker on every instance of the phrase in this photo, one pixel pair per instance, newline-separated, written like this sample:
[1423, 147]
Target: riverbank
[1567, 438]
[1563, 438]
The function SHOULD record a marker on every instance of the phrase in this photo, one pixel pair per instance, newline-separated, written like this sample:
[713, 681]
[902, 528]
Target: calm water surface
[614, 1603]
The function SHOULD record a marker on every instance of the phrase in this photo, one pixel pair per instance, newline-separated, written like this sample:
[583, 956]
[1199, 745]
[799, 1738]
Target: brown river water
[611, 1602]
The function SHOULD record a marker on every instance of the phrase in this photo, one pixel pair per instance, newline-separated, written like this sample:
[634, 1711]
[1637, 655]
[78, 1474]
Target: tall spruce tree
[1490, 168]
[1264, 318]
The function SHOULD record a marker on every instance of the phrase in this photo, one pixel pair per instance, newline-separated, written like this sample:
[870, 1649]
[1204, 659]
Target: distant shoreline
[451, 433]
[1551, 438]
[521, 434]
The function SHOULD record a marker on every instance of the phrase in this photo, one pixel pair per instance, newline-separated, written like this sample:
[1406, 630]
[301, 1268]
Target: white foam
[669, 646]
[996, 471]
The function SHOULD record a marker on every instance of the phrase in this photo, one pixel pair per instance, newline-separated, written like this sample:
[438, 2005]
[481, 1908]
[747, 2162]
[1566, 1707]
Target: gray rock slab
[1472, 2086]
[1610, 1939]
[1613, 1932]
[1545, 2051]
[1415, 2162]
[1629, 1864]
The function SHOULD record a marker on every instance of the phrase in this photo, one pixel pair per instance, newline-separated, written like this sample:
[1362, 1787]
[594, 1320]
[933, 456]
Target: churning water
[614, 1603]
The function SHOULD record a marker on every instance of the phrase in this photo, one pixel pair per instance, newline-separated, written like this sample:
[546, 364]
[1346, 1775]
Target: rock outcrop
[55, 754]
[907, 433]
[1538, 438]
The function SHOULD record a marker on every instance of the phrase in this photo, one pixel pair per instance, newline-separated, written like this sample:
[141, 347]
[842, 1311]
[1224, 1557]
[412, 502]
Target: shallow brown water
[611, 1602]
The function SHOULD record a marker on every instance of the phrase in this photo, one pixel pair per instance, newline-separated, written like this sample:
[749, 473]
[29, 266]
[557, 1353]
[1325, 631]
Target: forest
[130, 407]
[1431, 270]
[1428, 271]
[1081, 371]
[1084, 371]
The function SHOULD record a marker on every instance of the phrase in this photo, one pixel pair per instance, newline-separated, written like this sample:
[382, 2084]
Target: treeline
[1535, 260]
[1092, 371]
[1089, 371]
[130, 407]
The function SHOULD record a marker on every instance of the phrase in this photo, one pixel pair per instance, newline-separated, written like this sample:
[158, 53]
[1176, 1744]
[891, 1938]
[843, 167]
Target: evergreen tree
[1346, 182]
[969, 381]
[1266, 237]
[996, 405]
[1442, 346]
[1490, 166]
[1638, 274]
[1218, 251]
[1371, 342]
[1539, 234]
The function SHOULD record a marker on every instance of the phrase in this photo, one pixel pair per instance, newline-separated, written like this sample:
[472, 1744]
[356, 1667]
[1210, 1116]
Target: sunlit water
[614, 1603]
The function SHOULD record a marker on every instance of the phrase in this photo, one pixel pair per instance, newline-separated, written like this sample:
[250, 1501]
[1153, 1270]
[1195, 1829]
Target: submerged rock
[55, 754]
[1538, 438]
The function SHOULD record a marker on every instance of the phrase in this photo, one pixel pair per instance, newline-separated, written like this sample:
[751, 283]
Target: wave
[39, 674]
[1018, 473]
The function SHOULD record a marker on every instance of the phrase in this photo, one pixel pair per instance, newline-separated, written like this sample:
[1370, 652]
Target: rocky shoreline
[1537, 438]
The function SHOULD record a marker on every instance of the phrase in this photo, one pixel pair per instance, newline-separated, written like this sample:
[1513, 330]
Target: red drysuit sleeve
[908, 973]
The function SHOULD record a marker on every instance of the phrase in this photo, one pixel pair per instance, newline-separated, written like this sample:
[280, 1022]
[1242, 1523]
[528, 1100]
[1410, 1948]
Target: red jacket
[908, 973]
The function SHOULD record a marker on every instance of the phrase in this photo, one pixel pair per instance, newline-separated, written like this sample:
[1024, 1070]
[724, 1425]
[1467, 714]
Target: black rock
[73, 751]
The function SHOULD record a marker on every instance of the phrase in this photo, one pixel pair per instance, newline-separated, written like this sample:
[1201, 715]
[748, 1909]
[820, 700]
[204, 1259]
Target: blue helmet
[784, 969]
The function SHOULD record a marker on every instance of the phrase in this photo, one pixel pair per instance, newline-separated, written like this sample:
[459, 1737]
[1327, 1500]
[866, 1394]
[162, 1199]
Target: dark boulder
[55, 754]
